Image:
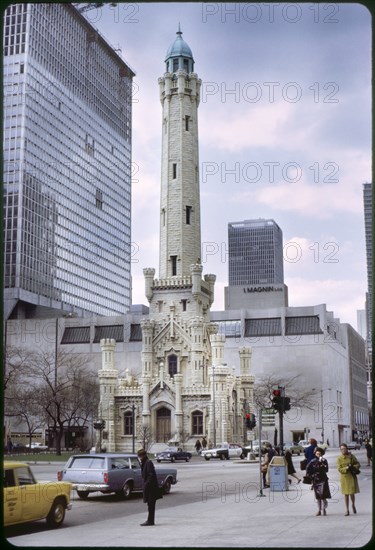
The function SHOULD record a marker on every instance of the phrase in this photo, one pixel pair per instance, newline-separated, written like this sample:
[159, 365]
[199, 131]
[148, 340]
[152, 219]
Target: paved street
[217, 504]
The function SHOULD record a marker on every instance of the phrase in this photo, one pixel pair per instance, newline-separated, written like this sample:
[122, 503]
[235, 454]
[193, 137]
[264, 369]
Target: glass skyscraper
[255, 253]
[368, 212]
[67, 165]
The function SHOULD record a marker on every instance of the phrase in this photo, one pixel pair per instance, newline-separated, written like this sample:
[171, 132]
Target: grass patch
[38, 457]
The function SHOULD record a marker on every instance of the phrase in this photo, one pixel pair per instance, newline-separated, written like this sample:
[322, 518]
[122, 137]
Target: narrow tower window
[184, 302]
[172, 365]
[187, 118]
[174, 170]
[174, 265]
[188, 215]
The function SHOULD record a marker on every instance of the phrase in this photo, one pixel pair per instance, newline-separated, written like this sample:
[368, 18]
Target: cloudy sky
[284, 133]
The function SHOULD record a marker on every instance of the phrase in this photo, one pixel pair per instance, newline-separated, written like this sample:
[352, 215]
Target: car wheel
[157, 460]
[173, 459]
[187, 458]
[242, 456]
[56, 515]
[221, 457]
[207, 457]
[167, 486]
[126, 491]
[83, 494]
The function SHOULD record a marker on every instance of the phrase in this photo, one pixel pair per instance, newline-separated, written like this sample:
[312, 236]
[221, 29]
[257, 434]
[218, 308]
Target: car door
[12, 498]
[137, 473]
[33, 503]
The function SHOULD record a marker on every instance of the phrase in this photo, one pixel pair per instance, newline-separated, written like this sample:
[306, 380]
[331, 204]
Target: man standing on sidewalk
[151, 490]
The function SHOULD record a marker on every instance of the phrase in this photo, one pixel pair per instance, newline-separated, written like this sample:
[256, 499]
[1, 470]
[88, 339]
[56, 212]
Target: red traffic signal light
[277, 400]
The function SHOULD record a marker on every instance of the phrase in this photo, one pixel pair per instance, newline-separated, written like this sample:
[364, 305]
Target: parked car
[225, 451]
[35, 447]
[111, 473]
[171, 454]
[353, 445]
[295, 448]
[254, 448]
[26, 499]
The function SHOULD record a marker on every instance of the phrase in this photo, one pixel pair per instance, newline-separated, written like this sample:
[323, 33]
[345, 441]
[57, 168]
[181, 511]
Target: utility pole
[281, 420]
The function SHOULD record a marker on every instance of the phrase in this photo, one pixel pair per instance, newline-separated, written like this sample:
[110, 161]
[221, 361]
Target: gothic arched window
[172, 365]
[197, 423]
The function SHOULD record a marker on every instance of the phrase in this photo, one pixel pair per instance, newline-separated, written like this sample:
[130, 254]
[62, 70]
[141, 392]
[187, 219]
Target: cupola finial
[179, 29]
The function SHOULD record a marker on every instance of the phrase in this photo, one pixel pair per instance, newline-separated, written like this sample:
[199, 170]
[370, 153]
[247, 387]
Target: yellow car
[26, 499]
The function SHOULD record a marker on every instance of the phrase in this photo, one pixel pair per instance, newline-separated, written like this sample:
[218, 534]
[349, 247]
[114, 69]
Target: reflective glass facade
[67, 163]
[368, 212]
[255, 253]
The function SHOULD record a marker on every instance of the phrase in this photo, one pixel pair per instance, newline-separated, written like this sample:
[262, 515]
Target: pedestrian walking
[270, 453]
[264, 467]
[309, 451]
[317, 470]
[151, 490]
[290, 466]
[198, 446]
[204, 443]
[368, 451]
[348, 465]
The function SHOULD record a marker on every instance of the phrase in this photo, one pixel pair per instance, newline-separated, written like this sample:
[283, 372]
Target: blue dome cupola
[179, 55]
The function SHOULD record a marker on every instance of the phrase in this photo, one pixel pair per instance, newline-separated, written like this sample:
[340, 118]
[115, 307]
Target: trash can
[278, 474]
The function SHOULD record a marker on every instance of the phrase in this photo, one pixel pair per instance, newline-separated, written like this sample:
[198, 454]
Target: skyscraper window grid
[255, 253]
[67, 141]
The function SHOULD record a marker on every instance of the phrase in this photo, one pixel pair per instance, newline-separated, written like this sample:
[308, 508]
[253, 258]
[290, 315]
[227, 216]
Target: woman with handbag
[317, 470]
[349, 468]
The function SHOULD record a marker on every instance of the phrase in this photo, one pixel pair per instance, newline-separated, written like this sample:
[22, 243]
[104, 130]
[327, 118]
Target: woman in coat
[151, 490]
[348, 481]
[290, 466]
[317, 469]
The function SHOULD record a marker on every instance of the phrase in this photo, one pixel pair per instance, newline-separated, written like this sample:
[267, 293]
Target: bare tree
[57, 391]
[299, 397]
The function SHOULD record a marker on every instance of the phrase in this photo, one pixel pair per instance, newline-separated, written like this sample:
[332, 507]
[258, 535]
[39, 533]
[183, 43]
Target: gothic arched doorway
[163, 425]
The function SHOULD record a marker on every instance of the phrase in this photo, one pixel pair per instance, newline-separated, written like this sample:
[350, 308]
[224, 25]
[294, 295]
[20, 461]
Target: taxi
[26, 499]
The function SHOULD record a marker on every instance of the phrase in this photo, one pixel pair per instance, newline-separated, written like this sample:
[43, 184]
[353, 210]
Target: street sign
[250, 435]
[268, 418]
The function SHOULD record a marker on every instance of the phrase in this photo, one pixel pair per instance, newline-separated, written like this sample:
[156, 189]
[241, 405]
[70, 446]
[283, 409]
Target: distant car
[224, 452]
[111, 473]
[171, 454]
[26, 499]
[353, 445]
[304, 443]
[37, 447]
[294, 448]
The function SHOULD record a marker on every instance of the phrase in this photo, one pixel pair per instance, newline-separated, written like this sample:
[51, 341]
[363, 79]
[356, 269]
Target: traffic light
[277, 400]
[248, 421]
[253, 421]
[286, 405]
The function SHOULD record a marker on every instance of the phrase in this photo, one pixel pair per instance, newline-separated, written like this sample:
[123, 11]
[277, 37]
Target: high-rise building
[255, 264]
[67, 165]
[367, 203]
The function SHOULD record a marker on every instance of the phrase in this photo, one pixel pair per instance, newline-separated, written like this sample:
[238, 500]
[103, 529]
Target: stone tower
[176, 348]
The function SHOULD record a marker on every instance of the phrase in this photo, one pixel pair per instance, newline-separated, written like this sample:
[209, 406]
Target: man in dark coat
[151, 490]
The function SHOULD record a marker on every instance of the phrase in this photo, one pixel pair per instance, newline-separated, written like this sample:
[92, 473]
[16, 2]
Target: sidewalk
[233, 517]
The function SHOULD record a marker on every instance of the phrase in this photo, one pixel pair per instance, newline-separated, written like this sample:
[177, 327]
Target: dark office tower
[367, 202]
[67, 165]
[255, 259]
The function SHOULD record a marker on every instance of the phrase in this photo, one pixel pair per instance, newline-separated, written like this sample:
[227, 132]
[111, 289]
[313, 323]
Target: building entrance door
[163, 425]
